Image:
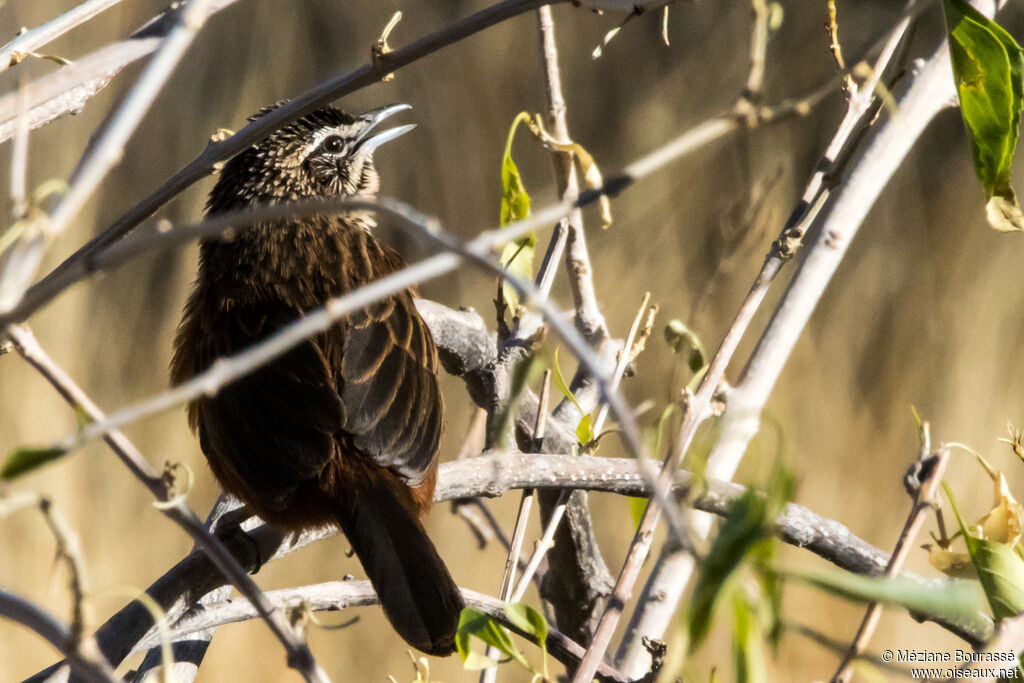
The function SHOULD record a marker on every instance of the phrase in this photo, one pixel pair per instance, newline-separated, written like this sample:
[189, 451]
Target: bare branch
[29, 41]
[335, 596]
[492, 475]
[83, 657]
[216, 152]
[675, 565]
[67, 90]
[931, 92]
[299, 655]
[69, 549]
[923, 502]
[108, 149]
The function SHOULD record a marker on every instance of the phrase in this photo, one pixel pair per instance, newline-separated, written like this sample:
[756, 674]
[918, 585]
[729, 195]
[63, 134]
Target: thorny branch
[69, 549]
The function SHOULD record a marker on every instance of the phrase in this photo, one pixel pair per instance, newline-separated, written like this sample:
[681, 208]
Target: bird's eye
[333, 144]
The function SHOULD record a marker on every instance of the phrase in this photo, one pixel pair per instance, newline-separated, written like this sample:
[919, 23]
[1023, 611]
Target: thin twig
[68, 90]
[192, 648]
[626, 356]
[84, 659]
[340, 595]
[109, 146]
[299, 655]
[495, 474]
[19, 161]
[526, 502]
[923, 503]
[513, 559]
[675, 568]
[30, 41]
[547, 539]
[215, 152]
[931, 92]
[69, 549]
[758, 50]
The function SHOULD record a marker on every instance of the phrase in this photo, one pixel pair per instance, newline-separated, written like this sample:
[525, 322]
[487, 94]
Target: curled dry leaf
[592, 177]
[956, 565]
[1004, 214]
[1004, 523]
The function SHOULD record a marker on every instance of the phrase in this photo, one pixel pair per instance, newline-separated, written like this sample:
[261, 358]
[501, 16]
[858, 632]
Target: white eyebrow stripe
[318, 137]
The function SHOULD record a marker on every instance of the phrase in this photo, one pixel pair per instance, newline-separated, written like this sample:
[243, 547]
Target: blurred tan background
[927, 310]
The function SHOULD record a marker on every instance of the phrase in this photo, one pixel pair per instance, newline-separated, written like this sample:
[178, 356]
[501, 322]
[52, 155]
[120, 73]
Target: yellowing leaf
[1004, 523]
[747, 642]
[1000, 569]
[953, 564]
[585, 430]
[592, 177]
[517, 256]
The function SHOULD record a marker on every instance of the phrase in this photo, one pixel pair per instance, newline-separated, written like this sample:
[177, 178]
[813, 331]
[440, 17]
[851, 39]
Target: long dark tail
[416, 591]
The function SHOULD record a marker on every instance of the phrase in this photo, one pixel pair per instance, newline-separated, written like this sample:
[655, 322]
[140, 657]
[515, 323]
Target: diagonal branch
[29, 41]
[494, 474]
[340, 595]
[103, 155]
[83, 657]
[215, 152]
[67, 90]
[299, 655]
[675, 566]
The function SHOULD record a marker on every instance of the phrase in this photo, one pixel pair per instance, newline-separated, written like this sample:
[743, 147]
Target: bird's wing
[393, 408]
[275, 427]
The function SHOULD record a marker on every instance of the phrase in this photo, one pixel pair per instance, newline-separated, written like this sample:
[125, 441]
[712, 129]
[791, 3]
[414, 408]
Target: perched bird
[344, 428]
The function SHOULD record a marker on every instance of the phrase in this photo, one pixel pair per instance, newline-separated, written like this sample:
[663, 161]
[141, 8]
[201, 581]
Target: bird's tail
[415, 589]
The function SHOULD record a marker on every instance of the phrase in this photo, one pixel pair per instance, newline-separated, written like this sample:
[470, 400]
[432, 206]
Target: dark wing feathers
[275, 426]
[393, 405]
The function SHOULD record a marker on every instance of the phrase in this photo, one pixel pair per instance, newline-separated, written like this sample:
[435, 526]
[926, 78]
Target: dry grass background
[927, 310]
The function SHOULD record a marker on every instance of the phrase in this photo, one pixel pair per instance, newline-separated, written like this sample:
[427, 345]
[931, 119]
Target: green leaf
[23, 460]
[681, 339]
[560, 383]
[474, 623]
[988, 68]
[585, 430]
[956, 599]
[637, 506]
[532, 622]
[1000, 570]
[517, 256]
[1001, 573]
[745, 526]
[747, 642]
[585, 427]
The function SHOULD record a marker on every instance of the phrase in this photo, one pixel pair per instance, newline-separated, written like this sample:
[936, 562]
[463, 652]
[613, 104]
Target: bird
[342, 429]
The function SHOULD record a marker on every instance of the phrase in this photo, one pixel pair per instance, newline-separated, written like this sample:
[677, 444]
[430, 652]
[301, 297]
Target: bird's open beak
[366, 144]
